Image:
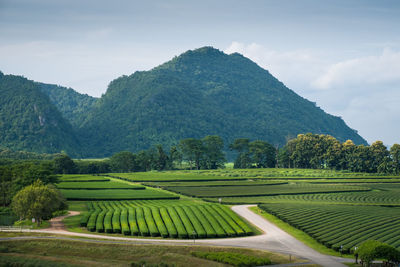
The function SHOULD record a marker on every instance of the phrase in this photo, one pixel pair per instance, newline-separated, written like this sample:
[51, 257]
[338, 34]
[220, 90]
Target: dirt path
[274, 239]
[56, 223]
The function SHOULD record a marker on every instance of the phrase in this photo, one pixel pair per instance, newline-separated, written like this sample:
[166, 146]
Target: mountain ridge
[200, 92]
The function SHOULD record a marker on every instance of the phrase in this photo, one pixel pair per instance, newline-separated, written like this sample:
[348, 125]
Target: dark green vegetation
[201, 92]
[335, 225]
[29, 121]
[97, 185]
[92, 253]
[234, 259]
[165, 218]
[72, 105]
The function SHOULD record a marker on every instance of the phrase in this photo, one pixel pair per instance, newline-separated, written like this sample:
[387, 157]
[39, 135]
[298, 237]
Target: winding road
[273, 239]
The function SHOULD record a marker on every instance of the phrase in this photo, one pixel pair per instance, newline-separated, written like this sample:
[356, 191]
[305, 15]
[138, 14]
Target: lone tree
[38, 201]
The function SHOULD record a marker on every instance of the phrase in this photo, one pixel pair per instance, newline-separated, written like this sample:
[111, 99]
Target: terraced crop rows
[98, 185]
[165, 218]
[115, 194]
[337, 225]
[262, 190]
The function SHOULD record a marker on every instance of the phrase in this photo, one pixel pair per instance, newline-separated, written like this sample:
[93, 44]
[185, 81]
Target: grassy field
[82, 178]
[93, 253]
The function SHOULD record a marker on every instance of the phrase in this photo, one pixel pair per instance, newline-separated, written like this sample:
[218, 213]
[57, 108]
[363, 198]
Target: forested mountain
[30, 122]
[72, 105]
[202, 92]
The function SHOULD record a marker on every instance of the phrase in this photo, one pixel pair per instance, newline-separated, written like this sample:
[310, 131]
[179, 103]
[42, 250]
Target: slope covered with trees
[72, 105]
[203, 92]
[29, 121]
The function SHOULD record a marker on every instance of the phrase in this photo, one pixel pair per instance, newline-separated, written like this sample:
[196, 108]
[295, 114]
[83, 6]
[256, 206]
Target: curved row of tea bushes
[168, 222]
[182, 219]
[159, 222]
[198, 227]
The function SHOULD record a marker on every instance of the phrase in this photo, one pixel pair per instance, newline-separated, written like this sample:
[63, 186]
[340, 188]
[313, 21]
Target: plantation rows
[383, 194]
[175, 219]
[116, 194]
[339, 225]
[262, 190]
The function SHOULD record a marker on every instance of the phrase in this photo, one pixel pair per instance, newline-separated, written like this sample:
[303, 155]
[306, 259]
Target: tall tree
[213, 155]
[395, 155]
[263, 154]
[123, 161]
[64, 164]
[241, 145]
[38, 201]
[192, 151]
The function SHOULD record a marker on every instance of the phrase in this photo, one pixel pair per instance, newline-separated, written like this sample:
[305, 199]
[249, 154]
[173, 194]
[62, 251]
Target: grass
[82, 178]
[94, 253]
[298, 234]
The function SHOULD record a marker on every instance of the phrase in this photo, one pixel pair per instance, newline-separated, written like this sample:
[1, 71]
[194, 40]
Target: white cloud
[364, 91]
[294, 68]
[362, 72]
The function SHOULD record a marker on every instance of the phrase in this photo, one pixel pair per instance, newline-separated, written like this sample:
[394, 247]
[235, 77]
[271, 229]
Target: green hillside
[203, 92]
[72, 105]
[29, 121]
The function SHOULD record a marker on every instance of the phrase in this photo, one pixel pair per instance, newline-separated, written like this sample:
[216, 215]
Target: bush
[372, 249]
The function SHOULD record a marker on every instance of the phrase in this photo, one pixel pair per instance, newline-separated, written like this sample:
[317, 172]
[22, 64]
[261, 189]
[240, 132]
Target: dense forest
[199, 93]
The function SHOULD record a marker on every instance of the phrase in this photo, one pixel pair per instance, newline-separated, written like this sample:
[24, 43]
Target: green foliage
[38, 201]
[372, 249]
[235, 259]
[115, 194]
[30, 122]
[72, 105]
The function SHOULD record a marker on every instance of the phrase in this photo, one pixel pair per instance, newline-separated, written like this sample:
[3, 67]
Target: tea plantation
[165, 218]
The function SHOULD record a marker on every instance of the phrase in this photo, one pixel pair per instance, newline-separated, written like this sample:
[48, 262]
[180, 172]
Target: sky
[342, 54]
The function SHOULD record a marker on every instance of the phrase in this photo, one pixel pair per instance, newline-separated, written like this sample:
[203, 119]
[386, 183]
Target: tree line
[318, 151]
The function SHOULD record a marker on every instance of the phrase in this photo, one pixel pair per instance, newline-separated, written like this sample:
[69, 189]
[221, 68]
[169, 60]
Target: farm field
[379, 194]
[262, 190]
[341, 225]
[165, 218]
[98, 185]
[89, 187]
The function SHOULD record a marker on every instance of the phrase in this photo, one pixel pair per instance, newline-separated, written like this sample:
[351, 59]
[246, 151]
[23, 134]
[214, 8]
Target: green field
[337, 225]
[116, 194]
[165, 218]
[263, 190]
[98, 185]
[82, 178]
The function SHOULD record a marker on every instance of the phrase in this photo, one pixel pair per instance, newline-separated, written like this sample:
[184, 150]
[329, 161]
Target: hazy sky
[344, 55]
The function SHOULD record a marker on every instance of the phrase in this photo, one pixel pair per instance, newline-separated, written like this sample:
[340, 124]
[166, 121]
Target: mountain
[202, 92]
[72, 105]
[29, 121]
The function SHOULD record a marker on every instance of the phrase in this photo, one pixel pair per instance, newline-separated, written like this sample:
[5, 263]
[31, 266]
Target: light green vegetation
[263, 190]
[165, 218]
[97, 185]
[340, 225]
[213, 183]
[82, 178]
[116, 194]
[94, 253]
